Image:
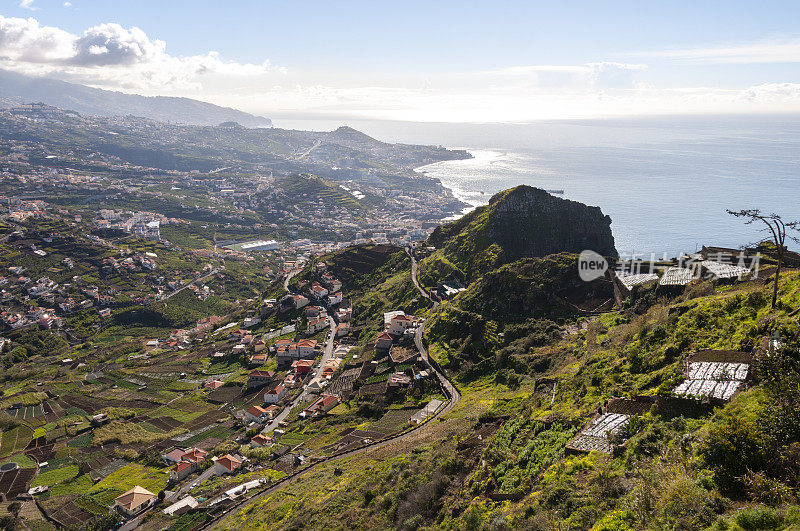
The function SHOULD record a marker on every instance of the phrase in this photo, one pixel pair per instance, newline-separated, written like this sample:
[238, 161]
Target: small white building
[273, 396]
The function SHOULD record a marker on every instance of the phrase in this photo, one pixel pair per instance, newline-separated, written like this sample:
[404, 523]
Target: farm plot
[294, 439]
[15, 482]
[393, 421]
[22, 460]
[52, 477]
[81, 441]
[182, 412]
[78, 405]
[214, 432]
[53, 410]
[107, 469]
[64, 510]
[134, 474]
[27, 412]
[15, 440]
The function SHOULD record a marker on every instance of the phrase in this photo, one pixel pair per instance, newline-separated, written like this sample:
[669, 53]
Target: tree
[777, 227]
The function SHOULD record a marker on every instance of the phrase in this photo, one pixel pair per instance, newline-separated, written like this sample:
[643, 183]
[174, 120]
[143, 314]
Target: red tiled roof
[261, 374]
[229, 462]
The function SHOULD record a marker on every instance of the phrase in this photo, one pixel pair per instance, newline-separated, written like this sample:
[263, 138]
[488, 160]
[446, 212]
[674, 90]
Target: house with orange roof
[315, 325]
[257, 414]
[227, 464]
[322, 406]
[182, 470]
[306, 347]
[274, 395]
[259, 378]
[134, 501]
[260, 441]
[302, 367]
[213, 384]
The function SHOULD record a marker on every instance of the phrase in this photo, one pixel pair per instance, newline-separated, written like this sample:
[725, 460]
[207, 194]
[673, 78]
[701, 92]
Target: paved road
[327, 354]
[422, 291]
[302, 396]
[446, 384]
[188, 484]
[450, 390]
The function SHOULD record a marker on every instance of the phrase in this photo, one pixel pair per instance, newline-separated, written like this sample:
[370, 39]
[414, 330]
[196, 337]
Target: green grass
[127, 433]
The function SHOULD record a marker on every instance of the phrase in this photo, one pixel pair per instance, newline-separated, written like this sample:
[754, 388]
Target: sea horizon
[666, 182]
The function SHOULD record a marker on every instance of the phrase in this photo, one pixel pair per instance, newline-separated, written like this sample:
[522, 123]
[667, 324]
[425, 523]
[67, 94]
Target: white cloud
[764, 51]
[112, 56]
[27, 4]
[67, 4]
[115, 57]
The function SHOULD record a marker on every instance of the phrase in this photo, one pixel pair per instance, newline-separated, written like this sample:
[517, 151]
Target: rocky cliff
[522, 222]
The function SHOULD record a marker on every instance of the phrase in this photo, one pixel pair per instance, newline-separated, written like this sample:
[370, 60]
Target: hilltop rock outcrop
[522, 222]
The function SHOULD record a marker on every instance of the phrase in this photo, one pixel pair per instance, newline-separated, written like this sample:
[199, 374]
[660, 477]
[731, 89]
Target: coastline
[471, 198]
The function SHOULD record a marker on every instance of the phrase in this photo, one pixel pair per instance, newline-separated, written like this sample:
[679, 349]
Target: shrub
[731, 449]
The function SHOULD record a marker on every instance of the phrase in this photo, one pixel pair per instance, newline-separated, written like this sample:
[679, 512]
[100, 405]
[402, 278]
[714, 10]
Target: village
[272, 392]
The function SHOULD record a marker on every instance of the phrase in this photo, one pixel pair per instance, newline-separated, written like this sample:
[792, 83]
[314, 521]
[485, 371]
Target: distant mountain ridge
[17, 88]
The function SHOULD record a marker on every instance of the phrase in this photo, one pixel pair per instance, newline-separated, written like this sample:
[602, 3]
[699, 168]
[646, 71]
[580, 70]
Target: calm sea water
[665, 182]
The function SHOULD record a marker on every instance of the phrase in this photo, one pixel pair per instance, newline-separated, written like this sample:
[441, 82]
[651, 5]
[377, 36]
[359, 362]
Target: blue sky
[453, 61]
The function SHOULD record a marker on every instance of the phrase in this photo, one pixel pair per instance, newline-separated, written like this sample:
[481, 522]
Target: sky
[444, 61]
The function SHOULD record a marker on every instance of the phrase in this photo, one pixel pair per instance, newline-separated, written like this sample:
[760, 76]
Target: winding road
[452, 393]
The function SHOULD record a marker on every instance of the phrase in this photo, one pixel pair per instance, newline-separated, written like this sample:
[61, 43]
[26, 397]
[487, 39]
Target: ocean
[665, 182]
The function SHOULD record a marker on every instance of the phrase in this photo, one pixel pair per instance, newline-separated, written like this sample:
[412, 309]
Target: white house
[398, 324]
[315, 325]
[273, 396]
[317, 290]
[306, 347]
[257, 414]
[299, 301]
[226, 464]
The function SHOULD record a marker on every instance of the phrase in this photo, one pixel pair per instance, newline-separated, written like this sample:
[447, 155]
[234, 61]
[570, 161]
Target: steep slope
[522, 222]
[17, 88]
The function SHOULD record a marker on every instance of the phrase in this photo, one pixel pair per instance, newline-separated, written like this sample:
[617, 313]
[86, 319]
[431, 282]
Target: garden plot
[344, 383]
[596, 435]
[722, 390]
[393, 421]
[15, 440]
[64, 510]
[15, 482]
[713, 379]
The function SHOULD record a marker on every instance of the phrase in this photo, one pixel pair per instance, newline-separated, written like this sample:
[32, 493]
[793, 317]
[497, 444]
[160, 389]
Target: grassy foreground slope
[498, 461]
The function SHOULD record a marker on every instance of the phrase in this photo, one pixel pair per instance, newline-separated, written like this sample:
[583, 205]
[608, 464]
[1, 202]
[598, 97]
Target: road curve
[450, 390]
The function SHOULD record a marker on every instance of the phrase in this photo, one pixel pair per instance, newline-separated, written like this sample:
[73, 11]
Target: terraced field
[15, 440]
